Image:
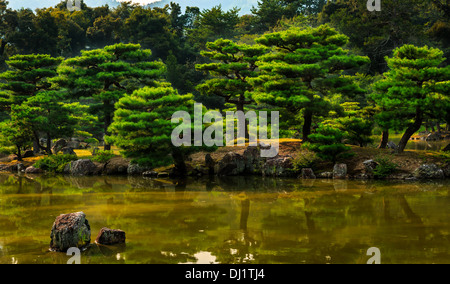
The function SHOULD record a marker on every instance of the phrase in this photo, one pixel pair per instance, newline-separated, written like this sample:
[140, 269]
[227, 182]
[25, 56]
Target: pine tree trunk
[307, 117]
[49, 145]
[108, 121]
[240, 107]
[19, 153]
[384, 139]
[178, 159]
[413, 128]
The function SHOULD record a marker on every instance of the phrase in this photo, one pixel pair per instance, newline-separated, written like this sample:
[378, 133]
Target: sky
[245, 5]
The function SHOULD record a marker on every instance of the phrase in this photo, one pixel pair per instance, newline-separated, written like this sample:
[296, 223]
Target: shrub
[327, 143]
[305, 159]
[103, 156]
[384, 168]
[55, 163]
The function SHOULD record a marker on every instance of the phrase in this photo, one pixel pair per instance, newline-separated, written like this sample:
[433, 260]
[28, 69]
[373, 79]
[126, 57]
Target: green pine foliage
[106, 75]
[232, 65]
[304, 69]
[142, 126]
[415, 88]
[54, 163]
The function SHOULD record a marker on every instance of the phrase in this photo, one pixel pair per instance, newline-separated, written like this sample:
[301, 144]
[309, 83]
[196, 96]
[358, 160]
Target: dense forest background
[179, 38]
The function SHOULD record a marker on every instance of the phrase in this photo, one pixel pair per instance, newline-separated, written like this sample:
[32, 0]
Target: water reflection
[230, 220]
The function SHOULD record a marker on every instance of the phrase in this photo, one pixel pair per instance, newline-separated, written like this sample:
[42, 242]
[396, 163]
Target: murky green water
[230, 220]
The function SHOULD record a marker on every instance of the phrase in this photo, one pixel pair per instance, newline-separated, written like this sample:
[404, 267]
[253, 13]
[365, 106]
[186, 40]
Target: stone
[70, 230]
[340, 171]
[74, 144]
[429, 171]
[370, 166]
[279, 166]
[308, 173]
[110, 237]
[8, 168]
[21, 168]
[232, 164]
[59, 145]
[150, 174]
[391, 145]
[33, 170]
[135, 169]
[83, 167]
[68, 151]
[326, 175]
[116, 166]
[253, 160]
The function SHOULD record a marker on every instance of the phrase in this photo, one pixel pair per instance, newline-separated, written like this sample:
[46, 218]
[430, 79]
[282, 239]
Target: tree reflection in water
[231, 219]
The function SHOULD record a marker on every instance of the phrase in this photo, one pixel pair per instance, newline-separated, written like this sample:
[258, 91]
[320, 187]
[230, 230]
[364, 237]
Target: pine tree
[29, 76]
[414, 88]
[142, 126]
[305, 67]
[106, 75]
[327, 143]
[232, 65]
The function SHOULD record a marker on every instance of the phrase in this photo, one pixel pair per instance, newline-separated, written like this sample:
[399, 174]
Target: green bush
[384, 168]
[55, 163]
[103, 156]
[327, 143]
[305, 159]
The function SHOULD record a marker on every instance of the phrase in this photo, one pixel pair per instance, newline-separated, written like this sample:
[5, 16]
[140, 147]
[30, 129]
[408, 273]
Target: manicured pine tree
[106, 75]
[142, 126]
[17, 132]
[327, 143]
[232, 65]
[303, 69]
[28, 76]
[414, 88]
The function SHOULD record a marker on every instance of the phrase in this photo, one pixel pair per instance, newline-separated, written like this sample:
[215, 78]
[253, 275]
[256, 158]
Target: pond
[230, 220]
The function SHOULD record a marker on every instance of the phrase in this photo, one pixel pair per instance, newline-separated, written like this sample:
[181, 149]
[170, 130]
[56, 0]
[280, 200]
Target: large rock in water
[232, 164]
[340, 171]
[70, 230]
[279, 166]
[110, 237]
[83, 167]
[308, 173]
[429, 171]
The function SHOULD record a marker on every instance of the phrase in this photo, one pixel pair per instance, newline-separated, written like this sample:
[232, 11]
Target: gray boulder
[135, 169]
[391, 145]
[308, 173]
[370, 166]
[70, 230]
[326, 175]
[340, 171]
[231, 164]
[279, 166]
[110, 237]
[83, 167]
[68, 151]
[59, 145]
[33, 170]
[429, 171]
